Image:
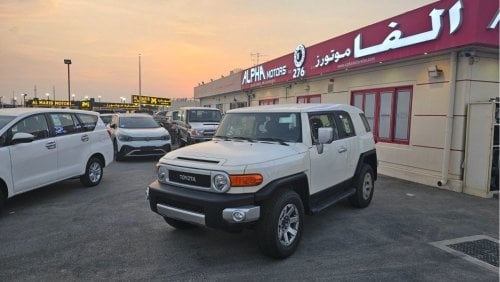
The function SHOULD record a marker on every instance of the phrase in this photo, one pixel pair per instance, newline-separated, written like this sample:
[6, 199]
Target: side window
[345, 125]
[318, 120]
[35, 125]
[63, 124]
[88, 122]
[181, 115]
[365, 122]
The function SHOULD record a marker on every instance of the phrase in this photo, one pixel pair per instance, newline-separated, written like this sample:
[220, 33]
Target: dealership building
[428, 81]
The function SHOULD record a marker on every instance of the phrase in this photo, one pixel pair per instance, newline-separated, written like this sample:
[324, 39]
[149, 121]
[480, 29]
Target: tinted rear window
[88, 121]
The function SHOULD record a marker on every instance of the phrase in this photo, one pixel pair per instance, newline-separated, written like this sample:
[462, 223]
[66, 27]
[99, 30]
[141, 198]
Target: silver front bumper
[179, 214]
[230, 215]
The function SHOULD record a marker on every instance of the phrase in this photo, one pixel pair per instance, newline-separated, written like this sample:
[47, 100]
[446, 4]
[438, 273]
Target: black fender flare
[292, 180]
[370, 158]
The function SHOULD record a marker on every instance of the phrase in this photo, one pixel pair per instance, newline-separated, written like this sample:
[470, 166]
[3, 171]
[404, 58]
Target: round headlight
[162, 174]
[221, 183]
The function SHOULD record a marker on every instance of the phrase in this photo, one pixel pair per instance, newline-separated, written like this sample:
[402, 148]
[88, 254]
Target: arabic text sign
[104, 105]
[439, 26]
[155, 101]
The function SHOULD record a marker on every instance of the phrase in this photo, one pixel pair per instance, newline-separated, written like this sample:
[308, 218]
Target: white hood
[233, 153]
[144, 132]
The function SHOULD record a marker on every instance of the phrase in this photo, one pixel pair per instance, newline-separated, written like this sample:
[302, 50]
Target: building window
[309, 99]
[388, 112]
[271, 101]
[220, 107]
[236, 105]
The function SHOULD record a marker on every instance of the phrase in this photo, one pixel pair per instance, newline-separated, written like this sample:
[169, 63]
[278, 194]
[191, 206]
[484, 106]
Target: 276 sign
[155, 101]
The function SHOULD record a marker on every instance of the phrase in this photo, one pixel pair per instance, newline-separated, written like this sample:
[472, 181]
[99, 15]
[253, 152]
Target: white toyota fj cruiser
[266, 167]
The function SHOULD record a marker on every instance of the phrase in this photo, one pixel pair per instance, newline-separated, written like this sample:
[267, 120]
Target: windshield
[204, 116]
[138, 122]
[279, 127]
[4, 120]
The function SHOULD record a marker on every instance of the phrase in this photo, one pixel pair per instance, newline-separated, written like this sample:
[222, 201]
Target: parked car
[136, 135]
[39, 147]
[196, 124]
[166, 119]
[106, 118]
[266, 168]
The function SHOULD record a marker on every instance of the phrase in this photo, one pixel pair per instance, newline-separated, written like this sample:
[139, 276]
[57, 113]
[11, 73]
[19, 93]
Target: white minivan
[43, 146]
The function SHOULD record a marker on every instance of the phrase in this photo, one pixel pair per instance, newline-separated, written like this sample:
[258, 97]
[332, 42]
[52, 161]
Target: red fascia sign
[436, 27]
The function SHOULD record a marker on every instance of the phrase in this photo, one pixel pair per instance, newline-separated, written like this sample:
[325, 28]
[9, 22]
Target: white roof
[296, 108]
[133, 115]
[198, 108]
[23, 111]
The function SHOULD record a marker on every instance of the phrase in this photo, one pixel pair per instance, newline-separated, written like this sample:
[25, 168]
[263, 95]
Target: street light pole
[140, 94]
[68, 62]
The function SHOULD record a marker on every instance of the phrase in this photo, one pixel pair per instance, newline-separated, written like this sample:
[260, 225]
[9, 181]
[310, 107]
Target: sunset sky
[181, 42]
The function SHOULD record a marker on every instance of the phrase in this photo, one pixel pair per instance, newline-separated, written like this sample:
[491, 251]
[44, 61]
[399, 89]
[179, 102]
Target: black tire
[365, 185]
[178, 224]
[118, 156]
[3, 198]
[275, 219]
[93, 172]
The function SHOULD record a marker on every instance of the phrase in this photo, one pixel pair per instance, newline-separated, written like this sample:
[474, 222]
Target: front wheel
[365, 185]
[93, 172]
[280, 229]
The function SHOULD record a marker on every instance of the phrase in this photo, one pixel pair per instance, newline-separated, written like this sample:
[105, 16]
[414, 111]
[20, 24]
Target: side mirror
[22, 137]
[325, 135]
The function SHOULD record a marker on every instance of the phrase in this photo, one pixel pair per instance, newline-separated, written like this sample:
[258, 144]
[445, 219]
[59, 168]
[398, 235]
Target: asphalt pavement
[65, 232]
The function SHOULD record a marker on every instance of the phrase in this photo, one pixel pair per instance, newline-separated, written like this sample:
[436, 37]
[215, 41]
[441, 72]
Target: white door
[328, 168]
[34, 164]
[348, 135]
[73, 145]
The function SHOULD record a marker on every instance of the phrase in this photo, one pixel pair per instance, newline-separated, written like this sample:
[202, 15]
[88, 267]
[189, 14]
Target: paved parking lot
[66, 232]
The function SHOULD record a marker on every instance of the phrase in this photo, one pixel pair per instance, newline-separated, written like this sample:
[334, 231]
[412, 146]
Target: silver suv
[196, 124]
[39, 147]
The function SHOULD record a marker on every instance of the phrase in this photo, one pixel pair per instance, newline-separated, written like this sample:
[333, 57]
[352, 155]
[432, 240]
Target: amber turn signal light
[244, 180]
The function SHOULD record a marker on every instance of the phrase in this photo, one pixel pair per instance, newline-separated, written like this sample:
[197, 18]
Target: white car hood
[233, 153]
[144, 132]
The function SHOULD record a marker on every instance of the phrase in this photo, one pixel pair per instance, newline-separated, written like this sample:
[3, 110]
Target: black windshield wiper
[281, 141]
[225, 138]
[243, 138]
[229, 138]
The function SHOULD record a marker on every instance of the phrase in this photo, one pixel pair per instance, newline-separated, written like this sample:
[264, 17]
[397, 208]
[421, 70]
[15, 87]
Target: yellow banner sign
[154, 101]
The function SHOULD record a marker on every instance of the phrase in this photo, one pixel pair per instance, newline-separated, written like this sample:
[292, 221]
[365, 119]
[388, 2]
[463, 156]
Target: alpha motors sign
[443, 25]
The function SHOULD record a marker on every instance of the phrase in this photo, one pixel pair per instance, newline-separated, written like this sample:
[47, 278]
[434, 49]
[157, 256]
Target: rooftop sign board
[436, 27]
[154, 101]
